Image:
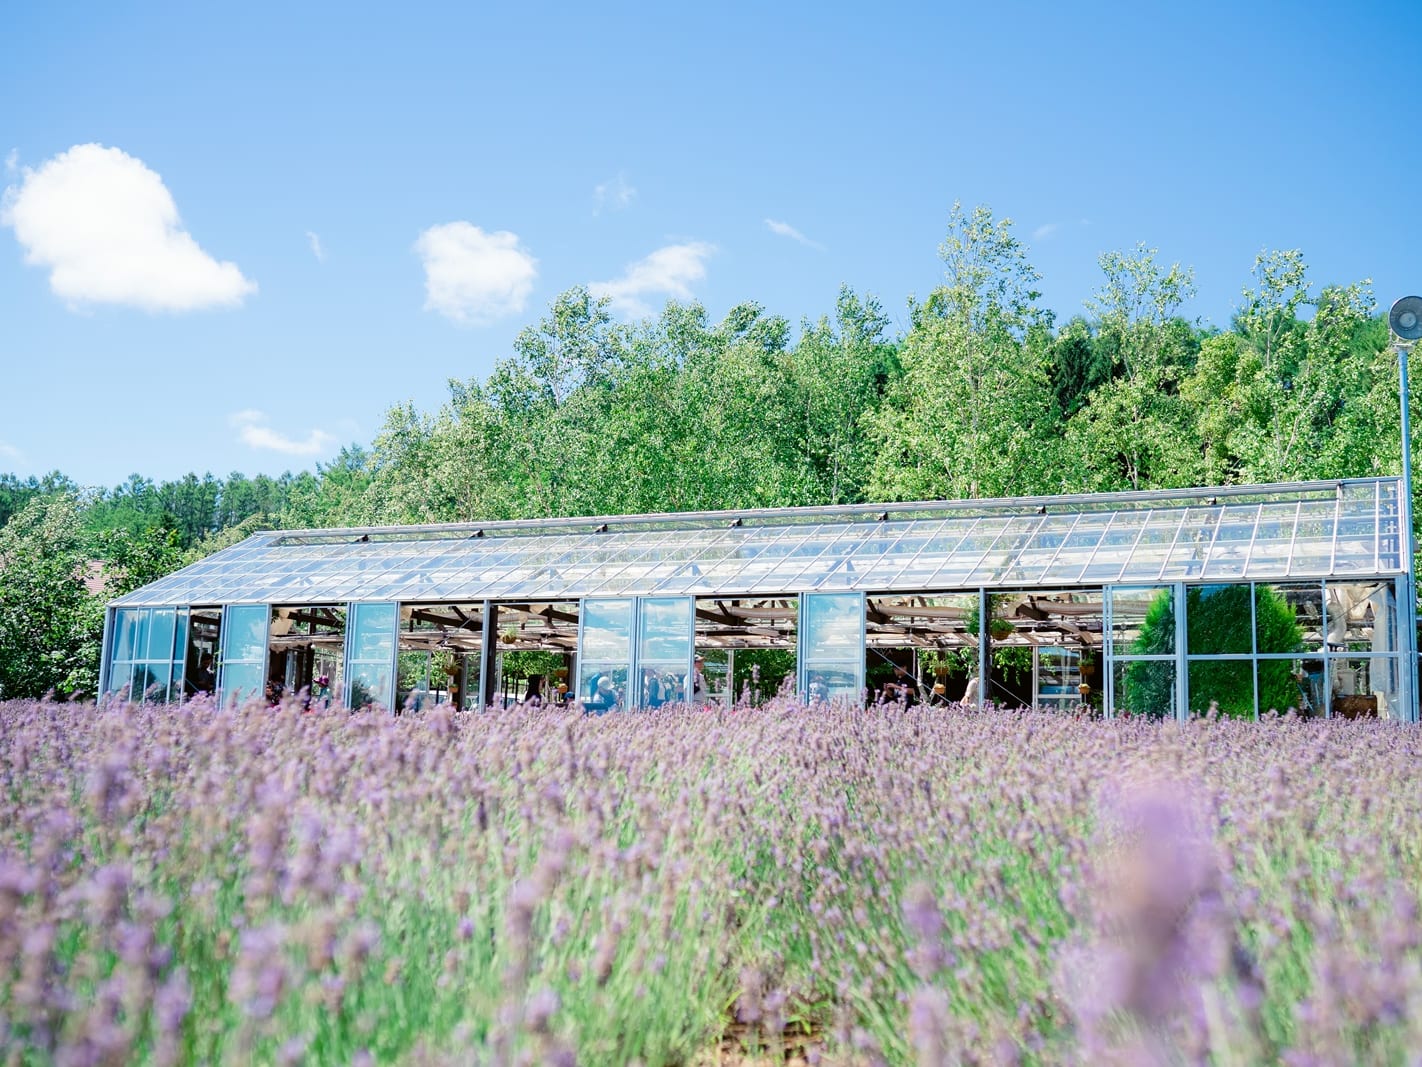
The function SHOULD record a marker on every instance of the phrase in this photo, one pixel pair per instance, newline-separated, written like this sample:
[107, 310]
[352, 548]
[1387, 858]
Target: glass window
[244, 632]
[1225, 684]
[605, 653]
[370, 641]
[1145, 687]
[833, 683]
[665, 629]
[607, 628]
[241, 681]
[603, 686]
[834, 626]
[1143, 621]
[147, 684]
[1297, 625]
[160, 633]
[832, 646]
[126, 627]
[244, 651]
[1218, 619]
[369, 684]
[1362, 617]
[1365, 687]
[373, 632]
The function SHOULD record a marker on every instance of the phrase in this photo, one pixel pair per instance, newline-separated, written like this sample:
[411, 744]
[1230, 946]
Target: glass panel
[1291, 685]
[662, 684]
[607, 629]
[1273, 540]
[1362, 617]
[1217, 620]
[241, 682]
[834, 625]
[1227, 685]
[142, 624]
[1193, 543]
[373, 632]
[1059, 679]
[666, 628]
[1113, 552]
[369, 685]
[1146, 559]
[1365, 687]
[160, 633]
[604, 687]
[1313, 687]
[1143, 621]
[605, 654]
[1273, 626]
[1145, 687]
[180, 643]
[126, 624]
[138, 682]
[833, 683]
[244, 635]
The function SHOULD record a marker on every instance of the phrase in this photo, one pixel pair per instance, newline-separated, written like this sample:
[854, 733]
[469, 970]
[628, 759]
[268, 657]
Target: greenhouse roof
[1274, 532]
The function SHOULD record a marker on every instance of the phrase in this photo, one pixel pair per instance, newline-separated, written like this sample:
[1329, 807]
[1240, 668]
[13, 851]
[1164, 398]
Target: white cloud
[668, 271]
[12, 161]
[10, 452]
[1046, 230]
[615, 194]
[314, 240]
[784, 229]
[253, 431]
[475, 277]
[108, 231]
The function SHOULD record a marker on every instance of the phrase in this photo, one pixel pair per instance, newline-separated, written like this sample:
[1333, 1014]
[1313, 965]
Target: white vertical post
[1408, 613]
[984, 644]
[1182, 662]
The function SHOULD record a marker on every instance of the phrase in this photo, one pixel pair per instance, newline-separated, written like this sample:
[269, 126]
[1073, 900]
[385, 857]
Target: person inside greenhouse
[203, 679]
[902, 689]
[654, 693]
[604, 695]
[699, 692]
[970, 694]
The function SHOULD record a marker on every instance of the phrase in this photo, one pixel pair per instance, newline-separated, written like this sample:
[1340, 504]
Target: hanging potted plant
[999, 629]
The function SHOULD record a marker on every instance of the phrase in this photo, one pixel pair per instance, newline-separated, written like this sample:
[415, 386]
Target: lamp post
[1405, 323]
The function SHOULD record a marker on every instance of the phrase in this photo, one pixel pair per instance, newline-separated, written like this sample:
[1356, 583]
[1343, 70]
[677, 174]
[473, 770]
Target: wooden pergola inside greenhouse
[1166, 602]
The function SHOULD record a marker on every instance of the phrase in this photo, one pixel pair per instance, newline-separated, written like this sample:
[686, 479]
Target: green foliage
[1217, 621]
[979, 397]
[762, 670]
[523, 664]
[973, 413]
[51, 626]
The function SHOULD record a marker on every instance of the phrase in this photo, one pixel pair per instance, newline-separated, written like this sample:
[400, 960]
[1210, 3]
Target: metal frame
[958, 544]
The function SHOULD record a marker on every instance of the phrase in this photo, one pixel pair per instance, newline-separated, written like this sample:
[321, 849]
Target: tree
[51, 625]
[1135, 431]
[1077, 366]
[839, 374]
[972, 414]
[1273, 395]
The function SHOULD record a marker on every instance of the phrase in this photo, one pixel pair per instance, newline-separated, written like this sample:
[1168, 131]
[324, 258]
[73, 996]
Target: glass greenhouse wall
[1234, 599]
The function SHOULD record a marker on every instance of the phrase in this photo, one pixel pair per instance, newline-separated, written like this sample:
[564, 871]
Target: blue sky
[303, 214]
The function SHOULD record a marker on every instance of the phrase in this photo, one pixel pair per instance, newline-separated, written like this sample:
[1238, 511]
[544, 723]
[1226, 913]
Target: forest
[983, 392]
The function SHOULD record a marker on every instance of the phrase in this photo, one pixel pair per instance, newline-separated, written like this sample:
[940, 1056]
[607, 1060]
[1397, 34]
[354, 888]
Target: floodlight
[1405, 318]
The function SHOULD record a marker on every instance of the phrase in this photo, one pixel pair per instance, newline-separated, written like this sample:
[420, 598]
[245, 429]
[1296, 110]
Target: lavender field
[184, 885]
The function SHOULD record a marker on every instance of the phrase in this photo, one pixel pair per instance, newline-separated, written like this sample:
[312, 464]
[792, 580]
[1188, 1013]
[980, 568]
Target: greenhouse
[1241, 599]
